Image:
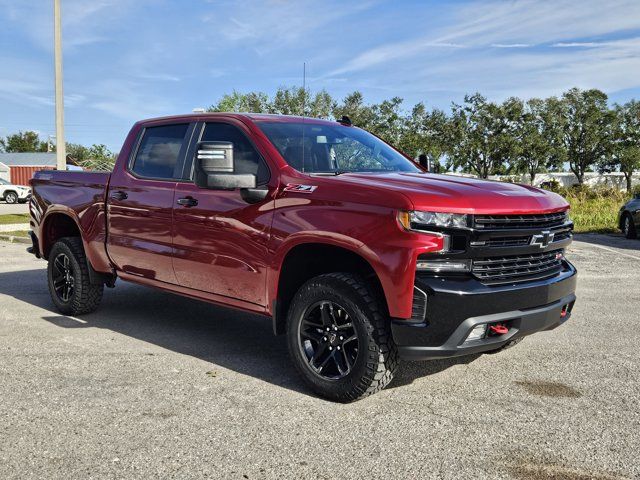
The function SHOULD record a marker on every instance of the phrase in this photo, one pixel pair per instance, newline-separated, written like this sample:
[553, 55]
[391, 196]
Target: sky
[126, 60]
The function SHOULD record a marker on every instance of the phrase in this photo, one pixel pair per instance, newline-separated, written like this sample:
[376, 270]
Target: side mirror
[637, 196]
[214, 166]
[423, 160]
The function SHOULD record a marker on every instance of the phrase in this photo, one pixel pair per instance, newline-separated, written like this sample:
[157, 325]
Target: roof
[255, 117]
[28, 159]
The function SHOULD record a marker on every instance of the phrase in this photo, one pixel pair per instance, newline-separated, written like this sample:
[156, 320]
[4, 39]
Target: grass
[595, 210]
[16, 233]
[12, 218]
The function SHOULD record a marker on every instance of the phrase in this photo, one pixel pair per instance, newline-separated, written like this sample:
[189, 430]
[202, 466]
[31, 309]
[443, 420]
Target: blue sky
[125, 60]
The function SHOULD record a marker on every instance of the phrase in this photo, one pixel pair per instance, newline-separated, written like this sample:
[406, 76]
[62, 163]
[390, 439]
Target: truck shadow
[232, 339]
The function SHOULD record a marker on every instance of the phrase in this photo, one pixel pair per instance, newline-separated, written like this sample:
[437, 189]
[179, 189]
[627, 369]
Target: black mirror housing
[214, 167]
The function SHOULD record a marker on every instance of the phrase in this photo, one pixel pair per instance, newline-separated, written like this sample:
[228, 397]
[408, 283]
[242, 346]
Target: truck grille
[517, 241]
[519, 221]
[518, 268]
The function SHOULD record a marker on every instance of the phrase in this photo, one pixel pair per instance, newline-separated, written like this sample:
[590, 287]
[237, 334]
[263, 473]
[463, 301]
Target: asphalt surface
[158, 386]
[6, 208]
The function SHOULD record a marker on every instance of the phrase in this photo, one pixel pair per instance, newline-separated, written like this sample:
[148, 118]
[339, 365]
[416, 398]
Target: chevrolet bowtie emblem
[543, 239]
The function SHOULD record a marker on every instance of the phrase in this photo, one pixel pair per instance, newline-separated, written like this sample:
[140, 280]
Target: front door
[140, 203]
[220, 237]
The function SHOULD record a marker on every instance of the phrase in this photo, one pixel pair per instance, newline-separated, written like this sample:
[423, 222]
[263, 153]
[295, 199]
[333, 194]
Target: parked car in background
[629, 217]
[13, 193]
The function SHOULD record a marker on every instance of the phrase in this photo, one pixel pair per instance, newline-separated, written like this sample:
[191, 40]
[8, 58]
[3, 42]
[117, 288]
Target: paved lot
[5, 208]
[158, 386]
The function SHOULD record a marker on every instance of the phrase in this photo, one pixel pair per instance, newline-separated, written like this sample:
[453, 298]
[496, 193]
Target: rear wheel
[68, 276]
[339, 339]
[628, 228]
[11, 197]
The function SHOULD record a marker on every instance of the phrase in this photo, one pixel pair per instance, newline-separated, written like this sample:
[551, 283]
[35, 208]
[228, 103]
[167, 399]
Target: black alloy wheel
[328, 340]
[339, 337]
[69, 281]
[63, 278]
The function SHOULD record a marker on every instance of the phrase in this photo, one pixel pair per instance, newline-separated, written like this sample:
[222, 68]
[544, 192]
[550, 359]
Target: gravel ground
[158, 386]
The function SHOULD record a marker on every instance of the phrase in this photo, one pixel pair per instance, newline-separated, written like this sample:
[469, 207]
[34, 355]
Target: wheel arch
[308, 259]
[55, 226]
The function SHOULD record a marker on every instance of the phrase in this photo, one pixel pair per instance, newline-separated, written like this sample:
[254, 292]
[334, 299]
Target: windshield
[333, 149]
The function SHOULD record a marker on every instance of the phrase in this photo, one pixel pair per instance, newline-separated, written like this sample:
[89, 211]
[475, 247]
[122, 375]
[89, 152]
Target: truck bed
[80, 195]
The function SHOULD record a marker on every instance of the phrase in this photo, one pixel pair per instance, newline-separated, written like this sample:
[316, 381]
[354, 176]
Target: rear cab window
[159, 152]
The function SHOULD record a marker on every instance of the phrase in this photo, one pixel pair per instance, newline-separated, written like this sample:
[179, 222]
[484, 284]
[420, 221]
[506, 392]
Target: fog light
[478, 333]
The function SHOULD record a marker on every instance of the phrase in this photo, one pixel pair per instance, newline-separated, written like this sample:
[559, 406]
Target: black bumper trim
[521, 323]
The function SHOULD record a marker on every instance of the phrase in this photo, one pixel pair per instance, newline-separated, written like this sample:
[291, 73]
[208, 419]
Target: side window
[157, 155]
[246, 158]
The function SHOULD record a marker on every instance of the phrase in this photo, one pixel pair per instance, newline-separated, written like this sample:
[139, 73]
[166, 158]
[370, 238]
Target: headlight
[417, 220]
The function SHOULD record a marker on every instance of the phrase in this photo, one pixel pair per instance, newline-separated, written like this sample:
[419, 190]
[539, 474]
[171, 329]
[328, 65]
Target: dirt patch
[549, 389]
[528, 469]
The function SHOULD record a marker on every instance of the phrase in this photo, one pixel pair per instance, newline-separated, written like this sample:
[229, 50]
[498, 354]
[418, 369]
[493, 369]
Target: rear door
[221, 237]
[140, 202]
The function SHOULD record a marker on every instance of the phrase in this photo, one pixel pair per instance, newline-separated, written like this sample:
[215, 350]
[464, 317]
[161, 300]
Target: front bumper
[456, 305]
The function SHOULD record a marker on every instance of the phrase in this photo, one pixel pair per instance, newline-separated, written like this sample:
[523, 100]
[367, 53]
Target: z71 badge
[296, 187]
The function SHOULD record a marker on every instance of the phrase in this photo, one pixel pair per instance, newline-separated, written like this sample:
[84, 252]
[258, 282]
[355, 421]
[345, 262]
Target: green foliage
[585, 124]
[483, 134]
[594, 209]
[286, 101]
[480, 136]
[14, 218]
[96, 157]
[28, 141]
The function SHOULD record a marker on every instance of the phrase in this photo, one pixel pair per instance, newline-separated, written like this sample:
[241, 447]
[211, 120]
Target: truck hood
[454, 194]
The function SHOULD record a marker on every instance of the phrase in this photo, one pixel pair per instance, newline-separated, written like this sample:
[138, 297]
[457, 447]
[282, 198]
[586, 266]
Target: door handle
[119, 195]
[187, 202]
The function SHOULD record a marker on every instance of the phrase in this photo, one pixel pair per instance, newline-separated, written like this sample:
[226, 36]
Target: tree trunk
[629, 178]
[532, 175]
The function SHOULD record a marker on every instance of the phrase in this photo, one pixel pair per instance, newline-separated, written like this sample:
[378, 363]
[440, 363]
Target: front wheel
[628, 228]
[11, 197]
[68, 276]
[339, 338]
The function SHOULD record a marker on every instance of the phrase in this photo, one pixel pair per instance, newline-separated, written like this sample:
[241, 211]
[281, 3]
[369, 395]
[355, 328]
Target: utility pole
[61, 150]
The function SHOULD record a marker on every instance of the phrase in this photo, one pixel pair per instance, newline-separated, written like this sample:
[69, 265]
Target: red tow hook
[498, 329]
[564, 311]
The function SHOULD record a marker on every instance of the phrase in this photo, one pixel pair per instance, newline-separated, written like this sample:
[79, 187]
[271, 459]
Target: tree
[286, 101]
[426, 132]
[482, 134]
[538, 137]
[28, 141]
[584, 120]
[77, 152]
[625, 143]
[353, 106]
[256, 102]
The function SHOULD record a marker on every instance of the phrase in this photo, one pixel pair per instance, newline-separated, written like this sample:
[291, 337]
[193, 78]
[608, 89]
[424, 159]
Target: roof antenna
[304, 105]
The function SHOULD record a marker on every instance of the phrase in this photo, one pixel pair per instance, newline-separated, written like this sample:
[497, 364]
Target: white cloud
[511, 45]
[519, 23]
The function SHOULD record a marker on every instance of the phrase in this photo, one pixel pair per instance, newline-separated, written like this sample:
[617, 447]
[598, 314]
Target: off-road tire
[86, 296]
[377, 357]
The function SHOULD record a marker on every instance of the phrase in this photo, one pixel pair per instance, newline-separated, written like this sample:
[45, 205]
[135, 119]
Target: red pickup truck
[356, 253]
